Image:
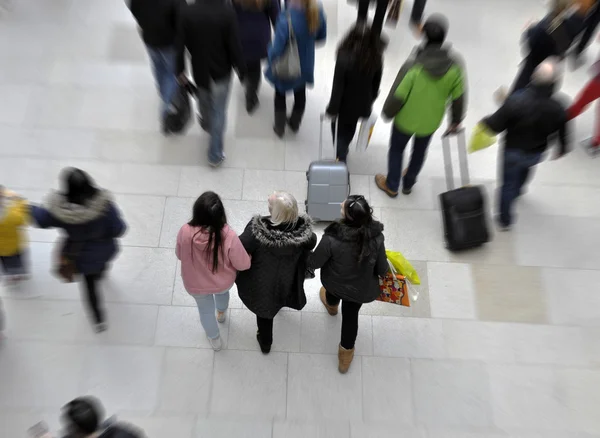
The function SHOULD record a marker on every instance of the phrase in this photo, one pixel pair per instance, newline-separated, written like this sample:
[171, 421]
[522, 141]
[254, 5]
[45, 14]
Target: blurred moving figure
[589, 94]
[356, 81]
[351, 256]
[84, 418]
[309, 27]
[529, 118]
[211, 254]
[92, 223]
[417, 101]
[590, 9]
[380, 10]
[157, 20]
[255, 18]
[14, 216]
[208, 29]
[279, 245]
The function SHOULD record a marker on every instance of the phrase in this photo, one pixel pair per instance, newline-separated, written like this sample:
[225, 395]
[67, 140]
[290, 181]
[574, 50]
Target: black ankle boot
[295, 120]
[279, 126]
[266, 349]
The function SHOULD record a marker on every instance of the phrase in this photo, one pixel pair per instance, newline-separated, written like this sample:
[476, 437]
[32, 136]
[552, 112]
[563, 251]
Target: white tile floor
[503, 342]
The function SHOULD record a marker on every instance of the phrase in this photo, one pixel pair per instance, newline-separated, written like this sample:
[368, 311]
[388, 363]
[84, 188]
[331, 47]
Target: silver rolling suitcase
[328, 184]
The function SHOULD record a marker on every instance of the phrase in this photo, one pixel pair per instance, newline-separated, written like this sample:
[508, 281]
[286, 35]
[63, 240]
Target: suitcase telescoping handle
[462, 159]
[324, 117]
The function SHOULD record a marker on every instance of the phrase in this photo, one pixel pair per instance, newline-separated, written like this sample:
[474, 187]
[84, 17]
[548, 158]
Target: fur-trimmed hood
[346, 233]
[268, 235]
[74, 214]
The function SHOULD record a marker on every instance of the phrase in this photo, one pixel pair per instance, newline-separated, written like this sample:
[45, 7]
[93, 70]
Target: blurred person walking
[92, 223]
[529, 118]
[211, 254]
[308, 26]
[356, 81]
[208, 29]
[279, 245]
[14, 216]
[381, 7]
[351, 256]
[157, 21]
[590, 9]
[255, 19]
[433, 76]
[589, 94]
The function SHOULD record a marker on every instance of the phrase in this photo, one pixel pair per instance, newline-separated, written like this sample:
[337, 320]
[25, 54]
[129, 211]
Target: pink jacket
[196, 267]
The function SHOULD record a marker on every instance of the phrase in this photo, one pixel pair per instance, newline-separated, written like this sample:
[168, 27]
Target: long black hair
[79, 186]
[359, 214]
[365, 47]
[209, 214]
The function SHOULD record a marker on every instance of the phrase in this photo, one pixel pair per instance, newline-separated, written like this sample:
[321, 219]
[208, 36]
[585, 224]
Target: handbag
[393, 288]
[287, 66]
[481, 138]
[66, 268]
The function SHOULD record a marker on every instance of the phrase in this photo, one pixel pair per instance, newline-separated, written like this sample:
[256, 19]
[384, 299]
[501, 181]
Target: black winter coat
[157, 19]
[341, 273]
[279, 262]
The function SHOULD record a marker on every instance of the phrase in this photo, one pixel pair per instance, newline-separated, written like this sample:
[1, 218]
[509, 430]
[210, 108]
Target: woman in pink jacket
[211, 254]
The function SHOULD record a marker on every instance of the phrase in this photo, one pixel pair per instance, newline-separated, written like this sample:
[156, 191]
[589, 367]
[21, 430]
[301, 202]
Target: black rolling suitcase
[464, 209]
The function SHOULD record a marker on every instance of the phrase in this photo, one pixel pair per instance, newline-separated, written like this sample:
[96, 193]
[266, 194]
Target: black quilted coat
[279, 257]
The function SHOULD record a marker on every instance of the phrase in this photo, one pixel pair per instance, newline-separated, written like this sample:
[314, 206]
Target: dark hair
[209, 214]
[79, 186]
[365, 46]
[359, 214]
[435, 29]
[84, 415]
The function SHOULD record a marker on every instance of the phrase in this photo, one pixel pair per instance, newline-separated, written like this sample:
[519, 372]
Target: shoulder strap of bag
[290, 27]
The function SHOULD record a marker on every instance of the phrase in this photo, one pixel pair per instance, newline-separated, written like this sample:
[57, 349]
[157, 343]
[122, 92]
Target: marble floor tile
[509, 293]
[490, 342]
[316, 389]
[259, 184]
[197, 180]
[302, 428]
[247, 153]
[553, 345]
[144, 217]
[249, 383]
[408, 337]
[242, 331]
[451, 393]
[48, 143]
[158, 426]
[451, 291]
[321, 334]
[224, 427]
[55, 106]
[15, 101]
[389, 429]
[178, 211]
[582, 397]
[181, 327]
[125, 45]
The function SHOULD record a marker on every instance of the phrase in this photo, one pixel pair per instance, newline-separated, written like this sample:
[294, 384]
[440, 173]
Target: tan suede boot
[332, 310]
[345, 359]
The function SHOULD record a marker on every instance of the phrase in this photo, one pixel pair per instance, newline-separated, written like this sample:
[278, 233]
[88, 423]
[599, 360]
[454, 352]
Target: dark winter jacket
[530, 117]
[354, 91]
[157, 19]
[91, 229]
[208, 29]
[255, 21]
[341, 273]
[279, 261]
[553, 35]
[117, 430]
[415, 16]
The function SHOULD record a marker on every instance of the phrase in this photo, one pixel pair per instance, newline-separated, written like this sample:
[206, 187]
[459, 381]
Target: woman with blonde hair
[305, 20]
[279, 245]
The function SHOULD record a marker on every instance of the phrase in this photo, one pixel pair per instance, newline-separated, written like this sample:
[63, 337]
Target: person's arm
[563, 136]
[498, 122]
[322, 31]
[280, 39]
[117, 226]
[178, 244]
[337, 91]
[237, 254]
[381, 265]
[248, 240]
[398, 96]
[235, 46]
[273, 12]
[42, 217]
[458, 95]
[321, 255]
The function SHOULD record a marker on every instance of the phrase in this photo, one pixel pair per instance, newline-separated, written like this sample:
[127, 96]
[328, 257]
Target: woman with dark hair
[211, 254]
[351, 256]
[92, 223]
[356, 81]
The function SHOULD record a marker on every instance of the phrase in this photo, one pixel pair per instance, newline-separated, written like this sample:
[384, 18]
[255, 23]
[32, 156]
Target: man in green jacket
[430, 79]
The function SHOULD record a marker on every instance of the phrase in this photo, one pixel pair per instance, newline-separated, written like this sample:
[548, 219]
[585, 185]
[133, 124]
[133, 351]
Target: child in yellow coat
[14, 215]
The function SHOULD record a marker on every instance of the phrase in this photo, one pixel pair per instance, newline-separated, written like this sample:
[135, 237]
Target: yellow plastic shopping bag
[403, 266]
[481, 138]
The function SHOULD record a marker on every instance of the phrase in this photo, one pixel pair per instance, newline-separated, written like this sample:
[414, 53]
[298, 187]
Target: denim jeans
[516, 168]
[213, 111]
[398, 143]
[206, 307]
[163, 67]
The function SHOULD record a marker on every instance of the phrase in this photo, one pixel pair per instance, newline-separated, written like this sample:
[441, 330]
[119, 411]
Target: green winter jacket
[430, 79]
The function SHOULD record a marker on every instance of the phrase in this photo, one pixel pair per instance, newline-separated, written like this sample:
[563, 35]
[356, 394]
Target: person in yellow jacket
[13, 217]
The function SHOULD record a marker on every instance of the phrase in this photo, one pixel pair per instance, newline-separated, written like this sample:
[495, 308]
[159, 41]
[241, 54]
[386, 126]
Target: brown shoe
[381, 182]
[332, 310]
[345, 359]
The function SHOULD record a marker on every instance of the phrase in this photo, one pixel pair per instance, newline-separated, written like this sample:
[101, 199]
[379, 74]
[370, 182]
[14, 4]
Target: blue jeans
[163, 67]
[398, 143]
[213, 111]
[516, 168]
[206, 306]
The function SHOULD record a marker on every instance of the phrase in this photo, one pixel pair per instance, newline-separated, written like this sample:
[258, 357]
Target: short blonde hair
[283, 208]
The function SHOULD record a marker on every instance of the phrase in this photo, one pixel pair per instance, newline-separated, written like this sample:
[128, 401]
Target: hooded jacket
[91, 228]
[279, 261]
[13, 218]
[196, 267]
[430, 79]
[341, 273]
[255, 19]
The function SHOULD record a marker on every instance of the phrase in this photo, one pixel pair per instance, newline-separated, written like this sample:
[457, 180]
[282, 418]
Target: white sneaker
[216, 343]
[220, 317]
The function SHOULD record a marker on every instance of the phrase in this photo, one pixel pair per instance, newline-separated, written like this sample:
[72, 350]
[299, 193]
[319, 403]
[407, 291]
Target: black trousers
[299, 101]
[265, 330]
[253, 78]
[589, 27]
[349, 319]
[93, 296]
[380, 10]
[346, 128]
[541, 46]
